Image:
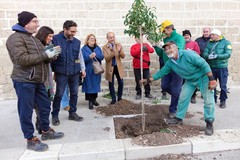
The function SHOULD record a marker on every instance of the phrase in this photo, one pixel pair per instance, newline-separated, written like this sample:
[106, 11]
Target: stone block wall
[101, 16]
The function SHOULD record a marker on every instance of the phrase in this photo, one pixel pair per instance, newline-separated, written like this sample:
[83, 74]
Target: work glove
[212, 83]
[145, 81]
[144, 49]
[55, 51]
[212, 56]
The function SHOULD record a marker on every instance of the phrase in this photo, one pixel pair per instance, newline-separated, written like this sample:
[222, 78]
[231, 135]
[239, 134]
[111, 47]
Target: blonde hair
[88, 37]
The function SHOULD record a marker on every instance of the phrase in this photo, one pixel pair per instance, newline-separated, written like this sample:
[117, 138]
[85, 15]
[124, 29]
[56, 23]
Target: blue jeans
[208, 96]
[61, 83]
[120, 85]
[172, 84]
[221, 74]
[28, 95]
[65, 98]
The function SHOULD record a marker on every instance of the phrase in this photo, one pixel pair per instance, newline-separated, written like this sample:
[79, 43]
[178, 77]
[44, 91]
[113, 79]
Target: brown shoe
[67, 108]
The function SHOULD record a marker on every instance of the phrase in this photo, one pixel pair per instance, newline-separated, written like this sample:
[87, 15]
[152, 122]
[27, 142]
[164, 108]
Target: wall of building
[101, 16]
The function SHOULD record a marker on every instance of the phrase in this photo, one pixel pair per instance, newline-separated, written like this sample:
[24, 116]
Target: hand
[212, 56]
[92, 55]
[144, 48]
[83, 73]
[55, 51]
[212, 84]
[119, 47]
[145, 81]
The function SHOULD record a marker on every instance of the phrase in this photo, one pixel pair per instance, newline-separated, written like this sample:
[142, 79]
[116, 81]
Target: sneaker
[149, 96]
[36, 145]
[55, 121]
[222, 104]
[138, 97]
[171, 115]
[51, 134]
[174, 120]
[193, 99]
[73, 116]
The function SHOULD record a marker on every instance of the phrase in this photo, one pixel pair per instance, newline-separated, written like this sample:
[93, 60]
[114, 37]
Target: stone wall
[100, 16]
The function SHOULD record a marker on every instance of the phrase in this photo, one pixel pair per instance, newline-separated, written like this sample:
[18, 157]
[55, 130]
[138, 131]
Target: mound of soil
[128, 124]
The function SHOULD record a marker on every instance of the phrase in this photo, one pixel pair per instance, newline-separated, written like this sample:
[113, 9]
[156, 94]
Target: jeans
[28, 95]
[65, 98]
[120, 85]
[61, 82]
[137, 74]
[208, 96]
[172, 84]
[221, 74]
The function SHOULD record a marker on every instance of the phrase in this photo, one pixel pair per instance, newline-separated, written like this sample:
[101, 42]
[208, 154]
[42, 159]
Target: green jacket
[177, 38]
[190, 66]
[223, 51]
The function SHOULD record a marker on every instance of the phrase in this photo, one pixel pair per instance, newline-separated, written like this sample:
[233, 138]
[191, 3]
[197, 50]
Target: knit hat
[216, 31]
[25, 17]
[186, 32]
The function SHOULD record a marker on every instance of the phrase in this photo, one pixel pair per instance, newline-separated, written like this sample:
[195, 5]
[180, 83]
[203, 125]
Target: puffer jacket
[27, 54]
[223, 50]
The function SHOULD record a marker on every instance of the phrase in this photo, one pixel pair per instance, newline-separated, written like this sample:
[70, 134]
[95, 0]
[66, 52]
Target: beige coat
[108, 55]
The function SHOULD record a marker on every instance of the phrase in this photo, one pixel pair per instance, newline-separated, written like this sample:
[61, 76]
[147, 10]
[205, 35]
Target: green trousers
[185, 96]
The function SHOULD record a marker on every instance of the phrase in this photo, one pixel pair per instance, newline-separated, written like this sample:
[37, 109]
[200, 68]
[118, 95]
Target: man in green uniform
[217, 53]
[196, 73]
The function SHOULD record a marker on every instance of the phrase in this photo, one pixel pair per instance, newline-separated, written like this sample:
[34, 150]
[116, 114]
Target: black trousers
[137, 74]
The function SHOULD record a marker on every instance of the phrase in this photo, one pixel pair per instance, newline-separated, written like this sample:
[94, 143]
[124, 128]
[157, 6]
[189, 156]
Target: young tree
[141, 21]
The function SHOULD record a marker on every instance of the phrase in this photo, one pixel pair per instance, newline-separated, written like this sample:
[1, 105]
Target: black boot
[209, 127]
[95, 103]
[90, 104]
[37, 125]
[222, 104]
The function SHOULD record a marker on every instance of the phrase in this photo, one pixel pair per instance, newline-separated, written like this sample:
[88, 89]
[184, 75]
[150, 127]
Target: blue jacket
[92, 81]
[202, 42]
[67, 62]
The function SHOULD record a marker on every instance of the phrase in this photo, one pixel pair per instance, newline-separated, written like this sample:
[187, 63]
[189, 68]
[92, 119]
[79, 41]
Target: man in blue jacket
[67, 69]
[196, 73]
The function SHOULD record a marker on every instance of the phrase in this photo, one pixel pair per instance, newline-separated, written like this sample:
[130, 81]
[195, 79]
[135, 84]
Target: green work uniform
[193, 69]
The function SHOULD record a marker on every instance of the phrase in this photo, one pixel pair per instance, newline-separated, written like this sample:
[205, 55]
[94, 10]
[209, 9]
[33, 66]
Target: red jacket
[135, 53]
[193, 46]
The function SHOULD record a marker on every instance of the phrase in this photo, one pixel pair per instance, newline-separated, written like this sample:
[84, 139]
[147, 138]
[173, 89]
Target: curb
[121, 149]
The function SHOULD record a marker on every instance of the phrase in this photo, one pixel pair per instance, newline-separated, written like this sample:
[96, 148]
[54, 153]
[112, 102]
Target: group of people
[35, 58]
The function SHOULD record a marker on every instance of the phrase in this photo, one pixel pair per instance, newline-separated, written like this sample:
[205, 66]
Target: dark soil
[157, 132]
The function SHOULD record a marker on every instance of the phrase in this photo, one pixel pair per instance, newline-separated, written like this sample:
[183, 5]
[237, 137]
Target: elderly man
[30, 62]
[217, 53]
[172, 82]
[196, 73]
[202, 41]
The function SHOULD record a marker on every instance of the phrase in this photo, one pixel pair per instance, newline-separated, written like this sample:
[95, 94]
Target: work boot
[37, 125]
[90, 104]
[73, 116]
[193, 99]
[171, 115]
[95, 103]
[51, 134]
[174, 120]
[55, 121]
[36, 145]
[222, 104]
[209, 127]
[149, 96]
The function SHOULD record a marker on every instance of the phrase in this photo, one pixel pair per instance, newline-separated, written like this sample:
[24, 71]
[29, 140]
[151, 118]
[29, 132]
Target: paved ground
[96, 127]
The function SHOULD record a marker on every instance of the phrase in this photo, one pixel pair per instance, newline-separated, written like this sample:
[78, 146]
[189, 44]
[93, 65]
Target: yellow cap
[165, 24]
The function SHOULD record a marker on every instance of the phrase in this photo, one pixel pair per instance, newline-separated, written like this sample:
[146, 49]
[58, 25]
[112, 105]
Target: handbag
[97, 67]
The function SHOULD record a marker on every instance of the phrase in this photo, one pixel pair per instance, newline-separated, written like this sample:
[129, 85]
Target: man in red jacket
[136, 53]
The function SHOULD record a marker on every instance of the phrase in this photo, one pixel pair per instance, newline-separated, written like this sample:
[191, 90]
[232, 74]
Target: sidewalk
[94, 138]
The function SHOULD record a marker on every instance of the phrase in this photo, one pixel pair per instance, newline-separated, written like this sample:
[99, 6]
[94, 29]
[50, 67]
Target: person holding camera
[217, 53]
[135, 52]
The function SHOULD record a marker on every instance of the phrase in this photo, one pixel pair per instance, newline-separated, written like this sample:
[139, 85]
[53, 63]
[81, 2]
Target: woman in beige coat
[113, 54]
